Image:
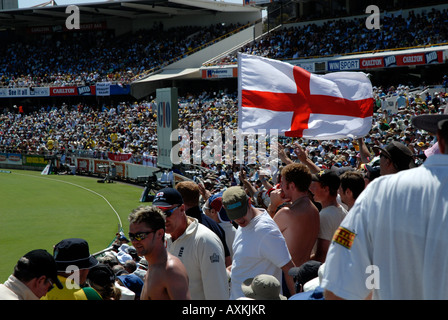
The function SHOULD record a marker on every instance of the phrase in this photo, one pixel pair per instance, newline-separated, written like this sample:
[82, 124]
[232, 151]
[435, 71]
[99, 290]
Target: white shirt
[330, 219]
[258, 248]
[126, 294]
[400, 226]
[202, 253]
[14, 289]
[230, 231]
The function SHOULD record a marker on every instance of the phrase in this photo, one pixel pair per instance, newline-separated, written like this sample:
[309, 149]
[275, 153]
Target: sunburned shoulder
[174, 264]
[299, 209]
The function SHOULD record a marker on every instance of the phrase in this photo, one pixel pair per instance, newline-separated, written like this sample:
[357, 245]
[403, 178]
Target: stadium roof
[49, 13]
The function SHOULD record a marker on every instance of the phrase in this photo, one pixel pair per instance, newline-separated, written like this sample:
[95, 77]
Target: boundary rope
[77, 185]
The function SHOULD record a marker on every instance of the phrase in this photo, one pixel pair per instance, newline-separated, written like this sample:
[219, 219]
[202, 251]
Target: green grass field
[37, 211]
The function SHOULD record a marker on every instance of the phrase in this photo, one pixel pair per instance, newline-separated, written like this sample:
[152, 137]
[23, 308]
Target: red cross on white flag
[278, 95]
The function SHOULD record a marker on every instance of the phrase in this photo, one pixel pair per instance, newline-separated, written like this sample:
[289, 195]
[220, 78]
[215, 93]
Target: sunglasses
[51, 285]
[139, 236]
[168, 213]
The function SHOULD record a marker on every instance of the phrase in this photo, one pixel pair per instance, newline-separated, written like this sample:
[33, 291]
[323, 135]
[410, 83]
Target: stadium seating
[88, 57]
[130, 127]
[348, 35]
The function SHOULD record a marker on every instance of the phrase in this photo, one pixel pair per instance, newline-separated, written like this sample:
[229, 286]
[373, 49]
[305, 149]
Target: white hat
[123, 257]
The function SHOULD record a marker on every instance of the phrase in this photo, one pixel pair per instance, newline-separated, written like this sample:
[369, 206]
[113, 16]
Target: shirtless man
[298, 221]
[166, 278]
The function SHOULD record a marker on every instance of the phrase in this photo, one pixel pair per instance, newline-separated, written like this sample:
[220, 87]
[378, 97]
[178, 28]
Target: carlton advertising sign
[63, 91]
[411, 59]
[72, 91]
[368, 63]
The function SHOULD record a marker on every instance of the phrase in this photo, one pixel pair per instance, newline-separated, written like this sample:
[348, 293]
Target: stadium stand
[93, 130]
[69, 124]
[348, 36]
[85, 58]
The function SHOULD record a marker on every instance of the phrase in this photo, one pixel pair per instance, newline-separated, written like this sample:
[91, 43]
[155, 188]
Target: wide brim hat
[263, 287]
[73, 252]
[429, 122]
[399, 154]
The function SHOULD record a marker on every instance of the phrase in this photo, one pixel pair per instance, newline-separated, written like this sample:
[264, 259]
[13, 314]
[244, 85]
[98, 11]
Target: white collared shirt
[14, 289]
[202, 253]
[399, 230]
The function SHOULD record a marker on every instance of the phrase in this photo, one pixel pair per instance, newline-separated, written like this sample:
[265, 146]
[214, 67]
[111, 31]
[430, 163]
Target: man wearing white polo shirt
[199, 248]
[392, 242]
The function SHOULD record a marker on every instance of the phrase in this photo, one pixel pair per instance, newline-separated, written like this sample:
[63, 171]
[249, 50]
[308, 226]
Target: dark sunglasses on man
[169, 212]
[139, 236]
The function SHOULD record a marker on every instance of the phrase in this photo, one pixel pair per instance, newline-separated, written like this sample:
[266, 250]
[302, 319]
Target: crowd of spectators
[84, 58]
[131, 127]
[120, 273]
[343, 36]
[80, 128]
[86, 130]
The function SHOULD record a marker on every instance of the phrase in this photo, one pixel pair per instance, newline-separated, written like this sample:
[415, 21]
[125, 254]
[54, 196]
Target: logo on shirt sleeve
[344, 237]
[214, 258]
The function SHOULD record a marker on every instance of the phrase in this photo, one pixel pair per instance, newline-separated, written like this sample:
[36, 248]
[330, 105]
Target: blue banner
[343, 65]
[116, 89]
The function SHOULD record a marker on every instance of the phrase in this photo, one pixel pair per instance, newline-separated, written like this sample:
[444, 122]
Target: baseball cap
[166, 197]
[215, 202]
[399, 154]
[262, 287]
[235, 201]
[73, 251]
[316, 294]
[306, 272]
[133, 283]
[327, 178]
[40, 263]
[374, 171]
